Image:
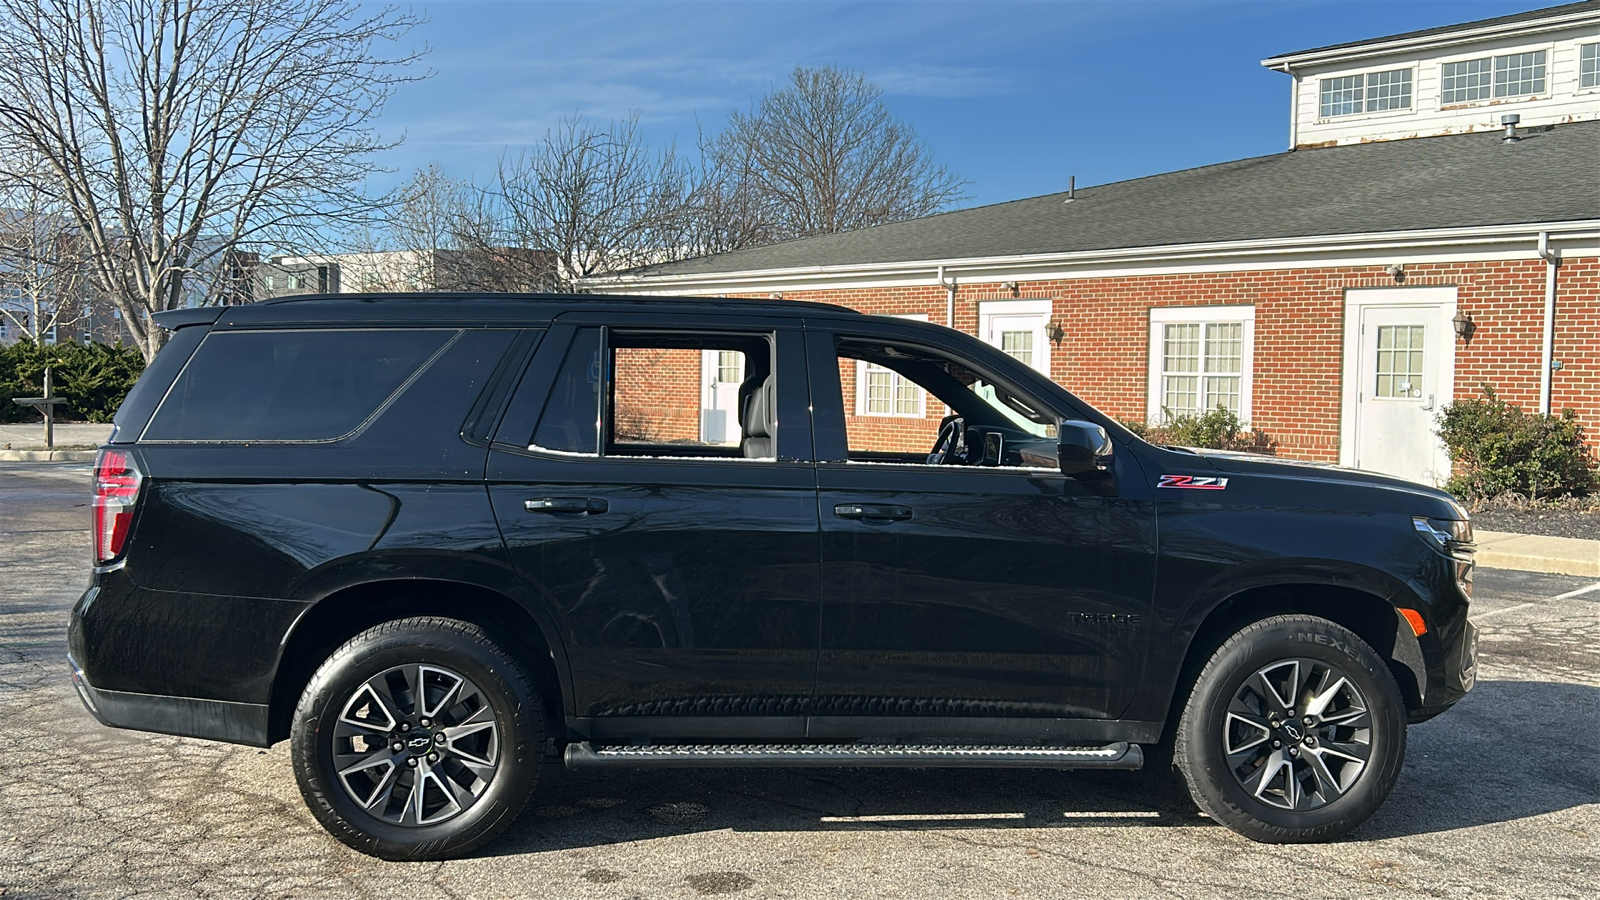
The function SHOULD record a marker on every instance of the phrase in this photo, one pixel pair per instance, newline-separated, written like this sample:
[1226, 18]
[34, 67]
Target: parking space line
[1567, 596]
[926, 817]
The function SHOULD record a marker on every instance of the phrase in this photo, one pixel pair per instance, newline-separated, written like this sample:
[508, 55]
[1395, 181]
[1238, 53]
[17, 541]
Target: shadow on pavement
[1510, 750]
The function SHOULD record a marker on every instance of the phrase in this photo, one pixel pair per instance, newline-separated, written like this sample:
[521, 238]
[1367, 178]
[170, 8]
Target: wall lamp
[1398, 270]
[1053, 331]
[1464, 326]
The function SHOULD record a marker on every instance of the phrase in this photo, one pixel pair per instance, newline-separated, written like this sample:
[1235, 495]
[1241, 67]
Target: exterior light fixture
[1053, 331]
[1398, 270]
[1464, 326]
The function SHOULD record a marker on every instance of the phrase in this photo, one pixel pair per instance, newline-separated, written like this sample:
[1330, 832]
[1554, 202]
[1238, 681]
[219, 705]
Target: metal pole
[49, 413]
[1547, 350]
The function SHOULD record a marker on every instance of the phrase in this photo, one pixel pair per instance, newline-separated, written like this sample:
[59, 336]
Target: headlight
[1453, 538]
[1449, 536]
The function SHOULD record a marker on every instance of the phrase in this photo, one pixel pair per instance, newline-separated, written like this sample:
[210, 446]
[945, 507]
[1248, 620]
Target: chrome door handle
[581, 505]
[872, 512]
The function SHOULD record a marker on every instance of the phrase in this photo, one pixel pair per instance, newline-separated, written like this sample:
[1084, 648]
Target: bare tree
[821, 155]
[178, 131]
[451, 235]
[595, 199]
[44, 283]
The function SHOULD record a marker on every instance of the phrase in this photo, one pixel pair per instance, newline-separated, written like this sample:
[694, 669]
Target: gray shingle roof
[1531, 15]
[1440, 182]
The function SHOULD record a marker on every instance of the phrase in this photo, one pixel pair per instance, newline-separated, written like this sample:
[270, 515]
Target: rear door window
[290, 385]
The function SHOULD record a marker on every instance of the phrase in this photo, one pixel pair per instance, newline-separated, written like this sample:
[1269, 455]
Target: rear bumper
[217, 720]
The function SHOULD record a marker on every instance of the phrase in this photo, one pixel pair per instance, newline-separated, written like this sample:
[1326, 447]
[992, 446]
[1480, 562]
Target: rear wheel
[418, 739]
[1295, 731]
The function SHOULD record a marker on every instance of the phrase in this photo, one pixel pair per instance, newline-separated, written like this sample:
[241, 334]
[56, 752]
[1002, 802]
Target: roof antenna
[1510, 120]
[1072, 189]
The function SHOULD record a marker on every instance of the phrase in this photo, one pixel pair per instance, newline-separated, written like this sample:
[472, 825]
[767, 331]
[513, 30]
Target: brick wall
[657, 396]
[1298, 336]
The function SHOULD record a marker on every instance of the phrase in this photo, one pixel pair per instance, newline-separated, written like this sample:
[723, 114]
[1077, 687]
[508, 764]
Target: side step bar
[1120, 755]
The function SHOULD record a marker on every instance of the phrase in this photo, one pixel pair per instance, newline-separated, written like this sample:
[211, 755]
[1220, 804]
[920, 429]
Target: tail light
[116, 495]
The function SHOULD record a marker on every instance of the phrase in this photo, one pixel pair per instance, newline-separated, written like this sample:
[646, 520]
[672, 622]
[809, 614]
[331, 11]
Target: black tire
[1292, 664]
[472, 762]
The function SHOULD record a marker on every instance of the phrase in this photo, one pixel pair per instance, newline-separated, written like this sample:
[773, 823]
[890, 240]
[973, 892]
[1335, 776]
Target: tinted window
[571, 420]
[289, 385]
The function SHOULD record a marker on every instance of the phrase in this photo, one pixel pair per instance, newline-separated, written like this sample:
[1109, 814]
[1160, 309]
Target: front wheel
[418, 739]
[1295, 731]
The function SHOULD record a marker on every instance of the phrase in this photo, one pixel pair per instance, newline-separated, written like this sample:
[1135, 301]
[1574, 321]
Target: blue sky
[1012, 96]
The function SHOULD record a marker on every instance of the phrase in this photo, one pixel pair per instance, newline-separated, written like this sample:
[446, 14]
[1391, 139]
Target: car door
[955, 592]
[682, 575]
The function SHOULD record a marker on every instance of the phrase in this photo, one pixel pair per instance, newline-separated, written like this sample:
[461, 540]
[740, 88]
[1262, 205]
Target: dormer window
[1519, 74]
[1369, 92]
[1589, 65]
[1498, 77]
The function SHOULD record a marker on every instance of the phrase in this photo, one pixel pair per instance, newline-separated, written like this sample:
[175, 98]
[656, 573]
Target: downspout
[950, 304]
[1552, 259]
[1294, 108]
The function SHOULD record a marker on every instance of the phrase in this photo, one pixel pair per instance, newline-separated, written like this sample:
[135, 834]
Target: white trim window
[1201, 358]
[1589, 66]
[1519, 74]
[1018, 329]
[1492, 77]
[882, 391]
[1369, 92]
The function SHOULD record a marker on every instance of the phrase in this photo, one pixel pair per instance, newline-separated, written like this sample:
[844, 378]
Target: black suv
[436, 541]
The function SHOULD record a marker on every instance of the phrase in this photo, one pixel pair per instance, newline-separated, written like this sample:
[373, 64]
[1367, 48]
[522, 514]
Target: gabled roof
[1553, 16]
[1550, 175]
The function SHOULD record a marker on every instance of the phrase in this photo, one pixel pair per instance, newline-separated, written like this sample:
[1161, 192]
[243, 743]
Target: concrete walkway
[26, 441]
[1537, 553]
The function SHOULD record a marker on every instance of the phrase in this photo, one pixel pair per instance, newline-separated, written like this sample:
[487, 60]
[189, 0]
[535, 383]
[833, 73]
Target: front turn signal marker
[1418, 627]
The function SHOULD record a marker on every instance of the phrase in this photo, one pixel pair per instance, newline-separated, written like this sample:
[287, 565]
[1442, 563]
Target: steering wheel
[950, 447]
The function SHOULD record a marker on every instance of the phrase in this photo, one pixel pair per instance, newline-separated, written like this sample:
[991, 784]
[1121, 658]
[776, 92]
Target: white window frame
[1492, 99]
[1161, 316]
[988, 310]
[1361, 109]
[895, 381]
[1594, 46]
[1543, 69]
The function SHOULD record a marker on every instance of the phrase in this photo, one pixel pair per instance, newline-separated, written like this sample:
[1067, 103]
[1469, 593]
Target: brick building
[1405, 251]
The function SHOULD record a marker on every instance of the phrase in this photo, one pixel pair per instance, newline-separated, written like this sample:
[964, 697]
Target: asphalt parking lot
[1499, 798]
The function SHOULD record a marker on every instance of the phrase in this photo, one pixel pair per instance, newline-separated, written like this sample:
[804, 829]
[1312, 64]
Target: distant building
[398, 271]
[1405, 251]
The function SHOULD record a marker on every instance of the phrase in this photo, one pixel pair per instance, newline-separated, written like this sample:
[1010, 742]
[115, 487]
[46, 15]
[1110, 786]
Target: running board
[1120, 755]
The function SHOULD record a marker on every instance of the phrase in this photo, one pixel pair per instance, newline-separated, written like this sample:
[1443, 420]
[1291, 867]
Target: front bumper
[1459, 675]
[217, 720]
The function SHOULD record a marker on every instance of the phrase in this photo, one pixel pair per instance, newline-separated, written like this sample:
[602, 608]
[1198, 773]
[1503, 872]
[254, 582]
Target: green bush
[1496, 448]
[92, 378]
[1215, 429]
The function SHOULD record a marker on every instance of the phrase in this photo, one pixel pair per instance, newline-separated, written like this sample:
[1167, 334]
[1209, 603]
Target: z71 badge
[1193, 482]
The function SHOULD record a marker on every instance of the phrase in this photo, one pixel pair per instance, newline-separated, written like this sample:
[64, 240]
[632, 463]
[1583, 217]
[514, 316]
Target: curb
[1537, 553]
[47, 455]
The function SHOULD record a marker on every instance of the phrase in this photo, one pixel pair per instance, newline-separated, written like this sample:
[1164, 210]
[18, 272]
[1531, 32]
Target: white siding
[1562, 100]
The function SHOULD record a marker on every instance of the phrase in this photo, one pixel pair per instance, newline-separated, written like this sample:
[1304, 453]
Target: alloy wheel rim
[1297, 734]
[416, 745]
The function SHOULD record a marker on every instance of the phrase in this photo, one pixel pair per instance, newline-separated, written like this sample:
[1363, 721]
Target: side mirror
[1082, 448]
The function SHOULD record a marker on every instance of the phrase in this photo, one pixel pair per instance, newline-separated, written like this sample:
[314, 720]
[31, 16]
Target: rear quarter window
[290, 385]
